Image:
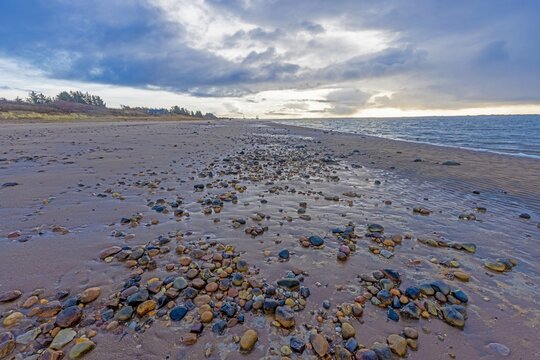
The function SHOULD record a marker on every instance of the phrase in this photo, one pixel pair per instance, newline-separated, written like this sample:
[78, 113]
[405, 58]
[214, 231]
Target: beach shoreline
[75, 182]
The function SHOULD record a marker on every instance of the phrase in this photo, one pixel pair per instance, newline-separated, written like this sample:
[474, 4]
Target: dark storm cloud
[481, 51]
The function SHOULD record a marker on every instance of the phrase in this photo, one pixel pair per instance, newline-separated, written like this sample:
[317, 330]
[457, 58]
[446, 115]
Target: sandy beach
[204, 228]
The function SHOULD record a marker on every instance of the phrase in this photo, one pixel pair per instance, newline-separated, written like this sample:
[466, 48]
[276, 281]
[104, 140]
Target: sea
[515, 135]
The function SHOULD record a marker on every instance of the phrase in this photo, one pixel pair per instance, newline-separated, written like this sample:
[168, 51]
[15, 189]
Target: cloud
[411, 55]
[347, 101]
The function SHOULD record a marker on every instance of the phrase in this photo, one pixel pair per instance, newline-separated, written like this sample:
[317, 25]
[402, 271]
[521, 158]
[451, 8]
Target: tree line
[77, 97]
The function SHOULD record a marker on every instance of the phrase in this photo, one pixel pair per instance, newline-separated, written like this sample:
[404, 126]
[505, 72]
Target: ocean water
[517, 135]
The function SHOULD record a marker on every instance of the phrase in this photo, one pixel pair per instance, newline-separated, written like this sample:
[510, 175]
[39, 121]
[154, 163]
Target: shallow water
[517, 135]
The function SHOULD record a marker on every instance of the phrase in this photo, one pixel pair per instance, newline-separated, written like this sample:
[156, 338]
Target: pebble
[7, 344]
[64, 337]
[410, 333]
[9, 296]
[13, 319]
[319, 344]
[69, 317]
[284, 254]
[499, 349]
[178, 313]
[397, 344]
[347, 330]
[284, 316]
[89, 295]
[81, 348]
[297, 345]
[145, 307]
[248, 340]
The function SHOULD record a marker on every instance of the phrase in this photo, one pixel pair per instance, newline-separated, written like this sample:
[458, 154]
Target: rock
[80, 349]
[113, 250]
[146, 307]
[525, 216]
[297, 345]
[125, 313]
[495, 266]
[460, 295]
[460, 275]
[366, 354]
[229, 309]
[316, 240]
[7, 344]
[89, 295]
[499, 349]
[410, 333]
[410, 311]
[206, 317]
[180, 283]
[9, 296]
[382, 350]
[347, 330]
[63, 338]
[29, 336]
[289, 283]
[219, 327]
[451, 163]
[392, 314]
[189, 339]
[248, 340]
[138, 297]
[69, 317]
[50, 354]
[13, 319]
[375, 228]
[340, 353]
[441, 286]
[397, 344]
[319, 344]
[284, 254]
[9, 184]
[453, 317]
[285, 316]
[178, 313]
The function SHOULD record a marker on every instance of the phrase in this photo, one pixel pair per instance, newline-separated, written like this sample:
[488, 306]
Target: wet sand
[76, 182]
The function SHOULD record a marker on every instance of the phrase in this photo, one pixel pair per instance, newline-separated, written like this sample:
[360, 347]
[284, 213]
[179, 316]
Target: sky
[279, 58]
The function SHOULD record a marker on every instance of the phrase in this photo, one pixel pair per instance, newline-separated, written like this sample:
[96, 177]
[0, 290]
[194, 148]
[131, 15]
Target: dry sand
[62, 170]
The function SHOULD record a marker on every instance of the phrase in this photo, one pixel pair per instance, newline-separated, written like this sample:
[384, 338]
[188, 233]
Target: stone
[285, 316]
[495, 266]
[178, 313]
[375, 228]
[320, 344]
[366, 354]
[347, 330]
[113, 250]
[284, 254]
[9, 296]
[316, 240]
[289, 283]
[451, 163]
[89, 295]
[189, 339]
[180, 283]
[440, 286]
[297, 345]
[460, 275]
[410, 311]
[69, 317]
[7, 344]
[248, 340]
[397, 344]
[125, 313]
[13, 319]
[81, 348]
[410, 333]
[29, 336]
[207, 316]
[460, 295]
[499, 349]
[382, 350]
[341, 353]
[145, 307]
[31, 301]
[453, 317]
[63, 338]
